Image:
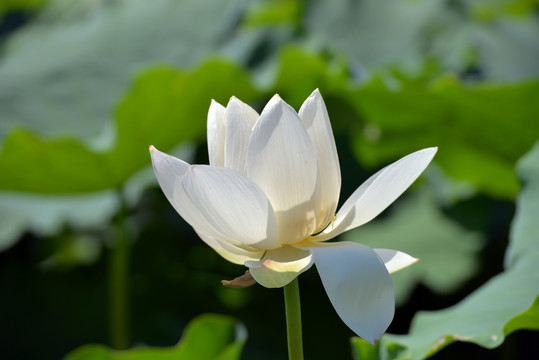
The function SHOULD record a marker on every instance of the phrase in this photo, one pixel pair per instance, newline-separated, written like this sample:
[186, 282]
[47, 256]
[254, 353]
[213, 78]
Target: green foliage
[48, 214]
[85, 53]
[73, 250]
[383, 350]
[207, 337]
[300, 72]
[271, 13]
[381, 67]
[465, 121]
[7, 6]
[506, 303]
[492, 10]
[447, 251]
[524, 231]
[151, 113]
[461, 36]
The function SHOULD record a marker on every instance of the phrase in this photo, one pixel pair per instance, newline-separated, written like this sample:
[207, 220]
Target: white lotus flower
[268, 200]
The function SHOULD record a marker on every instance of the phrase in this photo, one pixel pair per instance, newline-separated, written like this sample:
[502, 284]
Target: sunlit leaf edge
[430, 331]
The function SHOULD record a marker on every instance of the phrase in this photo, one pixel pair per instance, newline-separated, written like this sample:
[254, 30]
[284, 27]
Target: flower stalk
[118, 282]
[293, 320]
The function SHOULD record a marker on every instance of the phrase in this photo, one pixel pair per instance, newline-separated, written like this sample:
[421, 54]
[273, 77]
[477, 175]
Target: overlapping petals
[268, 201]
[218, 202]
[234, 206]
[216, 134]
[315, 119]
[282, 161]
[280, 266]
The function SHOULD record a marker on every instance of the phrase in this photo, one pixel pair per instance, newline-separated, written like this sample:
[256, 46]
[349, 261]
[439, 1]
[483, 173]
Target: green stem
[293, 320]
[118, 279]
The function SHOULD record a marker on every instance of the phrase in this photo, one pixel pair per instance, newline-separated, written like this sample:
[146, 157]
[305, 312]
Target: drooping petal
[233, 204]
[240, 282]
[395, 260]
[315, 118]
[378, 192]
[216, 133]
[359, 287]
[170, 172]
[235, 254]
[240, 119]
[282, 161]
[280, 266]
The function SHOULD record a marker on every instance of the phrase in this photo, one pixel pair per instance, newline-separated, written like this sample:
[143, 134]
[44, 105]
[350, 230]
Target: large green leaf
[466, 122]
[164, 107]
[506, 303]
[207, 337]
[525, 228]
[460, 36]
[301, 71]
[374, 33]
[446, 250]
[47, 214]
[63, 72]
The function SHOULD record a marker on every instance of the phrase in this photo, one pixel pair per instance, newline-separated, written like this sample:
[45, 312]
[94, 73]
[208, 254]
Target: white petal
[231, 252]
[315, 118]
[233, 204]
[378, 192]
[216, 133]
[170, 172]
[359, 287]
[247, 112]
[272, 102]
[240, 119]
[395, 260]
[282, 161]
[280, 266]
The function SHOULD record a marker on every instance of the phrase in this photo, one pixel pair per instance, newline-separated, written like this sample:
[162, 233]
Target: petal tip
[431, 152]
[214, 105]
[233, 99]
[275, 99]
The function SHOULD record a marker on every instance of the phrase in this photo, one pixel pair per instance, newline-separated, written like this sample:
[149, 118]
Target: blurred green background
[87, 86]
